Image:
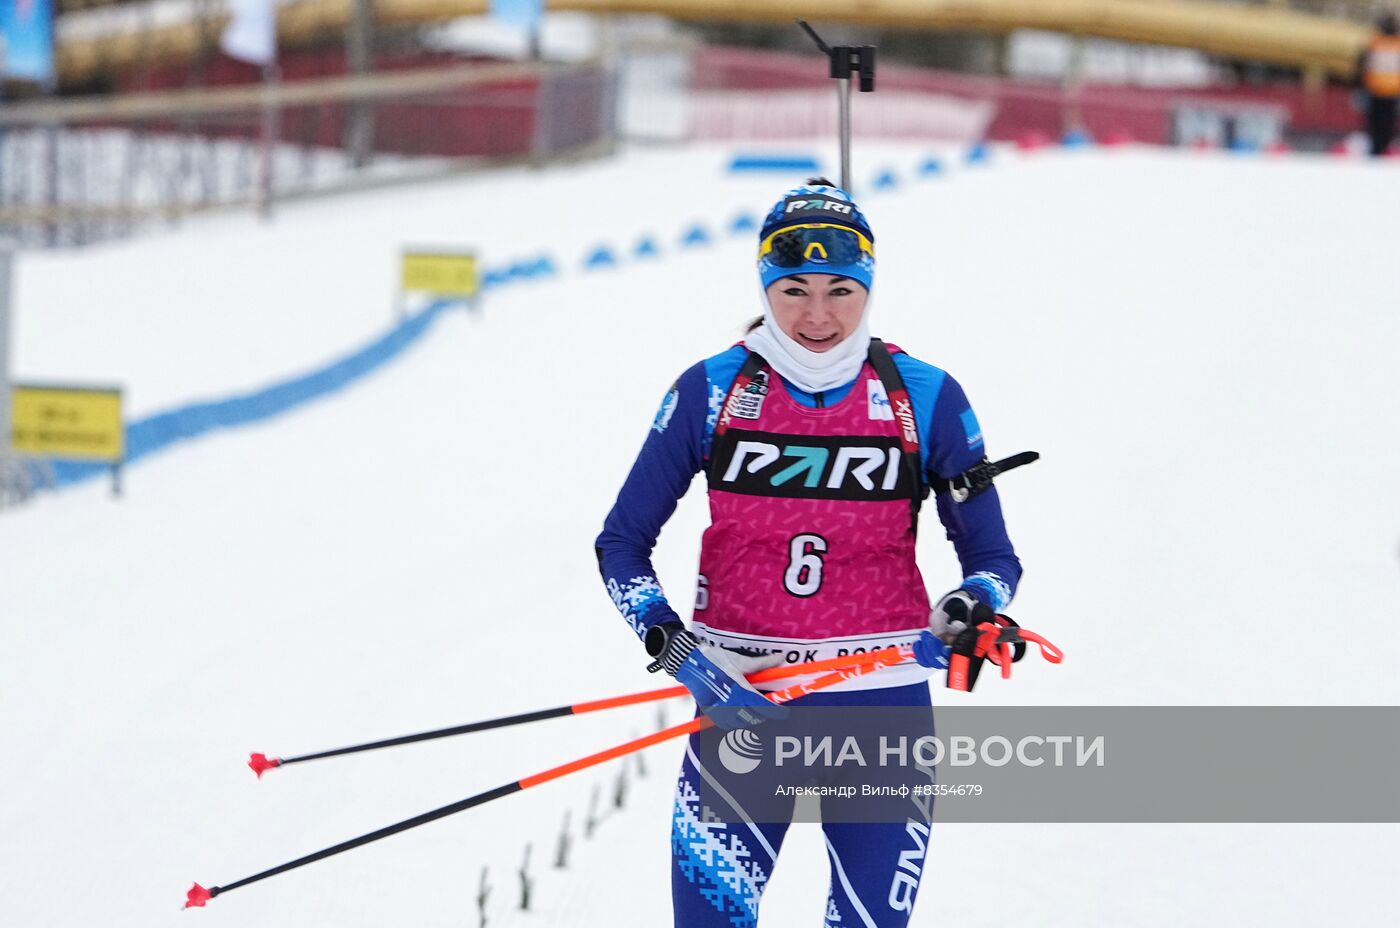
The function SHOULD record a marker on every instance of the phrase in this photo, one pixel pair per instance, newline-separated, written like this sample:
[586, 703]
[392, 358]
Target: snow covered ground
[1201, 346]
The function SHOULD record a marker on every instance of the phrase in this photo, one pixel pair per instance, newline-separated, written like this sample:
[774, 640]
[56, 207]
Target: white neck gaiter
[811, 371]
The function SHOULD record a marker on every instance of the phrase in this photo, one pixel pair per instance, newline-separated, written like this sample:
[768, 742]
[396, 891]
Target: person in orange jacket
[1378, 76]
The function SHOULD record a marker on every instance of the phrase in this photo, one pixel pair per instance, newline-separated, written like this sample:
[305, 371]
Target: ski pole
[261, 763]
[860, 665]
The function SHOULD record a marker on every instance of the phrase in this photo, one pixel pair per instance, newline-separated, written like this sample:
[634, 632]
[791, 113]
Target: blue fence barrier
[157, 432]
[759, 162]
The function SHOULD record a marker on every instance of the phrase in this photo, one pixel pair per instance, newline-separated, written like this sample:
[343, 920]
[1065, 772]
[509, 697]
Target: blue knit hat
[819, 202]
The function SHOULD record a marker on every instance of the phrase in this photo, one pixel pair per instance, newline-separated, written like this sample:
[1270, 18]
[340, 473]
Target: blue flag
[523, 13]
[26, 40]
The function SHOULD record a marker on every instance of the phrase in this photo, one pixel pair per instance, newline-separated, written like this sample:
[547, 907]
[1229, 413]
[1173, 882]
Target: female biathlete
[818, 443]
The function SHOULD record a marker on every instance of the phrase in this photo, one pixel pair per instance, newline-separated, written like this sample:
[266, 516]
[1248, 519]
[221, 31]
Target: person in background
[1378, 78]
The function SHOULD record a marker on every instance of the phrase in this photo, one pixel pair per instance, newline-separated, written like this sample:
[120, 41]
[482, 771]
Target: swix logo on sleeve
[809, 466]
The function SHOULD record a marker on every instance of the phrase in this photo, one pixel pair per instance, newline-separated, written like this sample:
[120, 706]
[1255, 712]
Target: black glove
[956, 612]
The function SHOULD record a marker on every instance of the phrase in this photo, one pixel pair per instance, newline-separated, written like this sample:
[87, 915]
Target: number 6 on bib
[804, 572]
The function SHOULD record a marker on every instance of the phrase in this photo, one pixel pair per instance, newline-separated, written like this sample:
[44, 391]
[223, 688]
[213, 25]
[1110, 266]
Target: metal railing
[81, 170]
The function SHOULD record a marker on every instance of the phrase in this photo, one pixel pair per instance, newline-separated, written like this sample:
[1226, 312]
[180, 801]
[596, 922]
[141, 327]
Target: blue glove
[714, 676]
[930, 651]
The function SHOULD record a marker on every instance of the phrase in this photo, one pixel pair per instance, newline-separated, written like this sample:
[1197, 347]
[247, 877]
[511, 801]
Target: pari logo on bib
[816, 467]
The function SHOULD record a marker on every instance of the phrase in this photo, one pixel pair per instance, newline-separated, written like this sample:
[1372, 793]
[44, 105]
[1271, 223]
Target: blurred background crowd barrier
[77, 171]
[120, 115]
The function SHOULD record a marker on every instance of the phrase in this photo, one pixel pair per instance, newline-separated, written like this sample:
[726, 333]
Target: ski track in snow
[1201, 346]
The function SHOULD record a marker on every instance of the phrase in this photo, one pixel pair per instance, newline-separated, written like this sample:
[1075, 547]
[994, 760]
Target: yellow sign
[68, 422]
[440, 273]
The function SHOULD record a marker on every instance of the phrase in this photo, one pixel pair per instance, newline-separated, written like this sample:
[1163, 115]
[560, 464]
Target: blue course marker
[1243, 146]
[885, 180]
[761, 162]
[155, 433]
[979, 153]
[599, 257]
[931, 167]
[646, 248]
[695, 235]
[742, 223]
[544, 267]
[1077, 138]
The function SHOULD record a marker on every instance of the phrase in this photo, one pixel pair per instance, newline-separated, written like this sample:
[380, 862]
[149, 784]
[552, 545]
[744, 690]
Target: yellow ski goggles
[814, 243]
